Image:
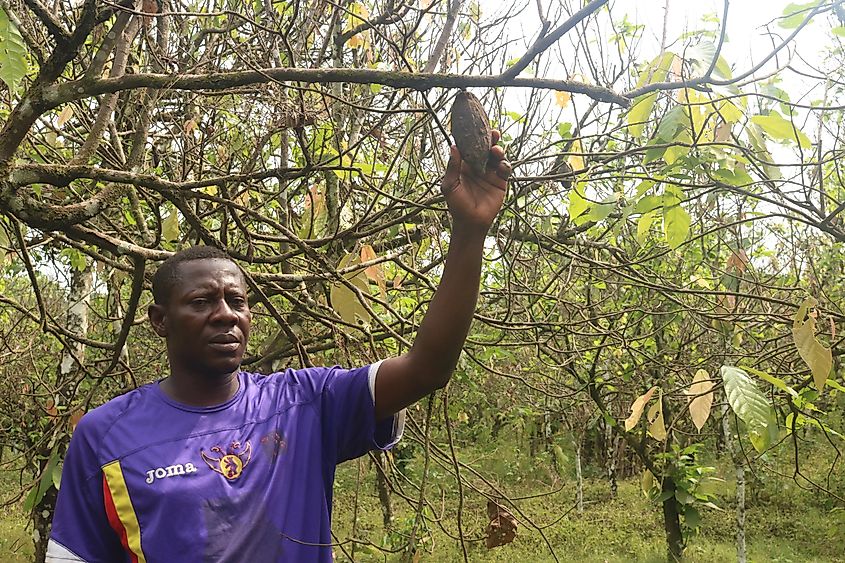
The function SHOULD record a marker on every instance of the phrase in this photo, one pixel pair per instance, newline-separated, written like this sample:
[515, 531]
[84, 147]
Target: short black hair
[167, 275]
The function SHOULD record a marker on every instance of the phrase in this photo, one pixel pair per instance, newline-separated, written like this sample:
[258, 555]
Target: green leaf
[794, 14]
[779, 383]
[729, 112]
[578, 204]
[657, 70]
[675, 152]
[564, 130]
[644, 225]
[839, 30]
[676, 224]
[737, 177]
[751, 406]
[673, 123]
[13, 53]
[44, 482]
[818, 358]
[723, 68]
[648, 203]
[684, 497]
[640, 113]
[57, 476]
[779, 128]
[692, 519]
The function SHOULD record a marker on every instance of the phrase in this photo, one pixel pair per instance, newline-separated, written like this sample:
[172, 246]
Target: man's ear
[158, 316]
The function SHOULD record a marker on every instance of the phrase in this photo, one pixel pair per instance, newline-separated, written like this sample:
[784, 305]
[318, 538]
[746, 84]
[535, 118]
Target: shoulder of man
[307, 383]
[95, 423]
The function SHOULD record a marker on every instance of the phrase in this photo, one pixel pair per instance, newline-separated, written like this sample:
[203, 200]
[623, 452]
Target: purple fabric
[280, 437]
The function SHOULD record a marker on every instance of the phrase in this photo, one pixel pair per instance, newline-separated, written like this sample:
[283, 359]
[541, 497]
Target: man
[215, 464]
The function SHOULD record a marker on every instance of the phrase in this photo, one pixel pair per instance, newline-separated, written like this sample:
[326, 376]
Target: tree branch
[545, 41]
[445, 35]
[54, 26]
[79, 89]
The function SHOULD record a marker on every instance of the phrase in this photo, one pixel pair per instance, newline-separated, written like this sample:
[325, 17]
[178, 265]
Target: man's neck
[200, 390]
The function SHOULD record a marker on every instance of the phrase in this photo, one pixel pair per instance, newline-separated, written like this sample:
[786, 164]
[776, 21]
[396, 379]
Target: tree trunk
[579, 490]
[612, 446]
[380, 458]
[79, 297]
[739, 467]
[672, 523]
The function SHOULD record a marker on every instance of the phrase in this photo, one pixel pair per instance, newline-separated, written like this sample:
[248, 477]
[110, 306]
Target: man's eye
[238, 302]
[201, 302]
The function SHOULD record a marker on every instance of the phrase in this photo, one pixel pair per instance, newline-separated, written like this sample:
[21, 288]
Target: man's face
[206, 320]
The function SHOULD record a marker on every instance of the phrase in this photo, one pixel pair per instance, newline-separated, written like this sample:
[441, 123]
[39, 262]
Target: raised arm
[473, 202]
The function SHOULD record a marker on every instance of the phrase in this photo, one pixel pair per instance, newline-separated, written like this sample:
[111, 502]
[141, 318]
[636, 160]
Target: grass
[785, 524]
[626, 529]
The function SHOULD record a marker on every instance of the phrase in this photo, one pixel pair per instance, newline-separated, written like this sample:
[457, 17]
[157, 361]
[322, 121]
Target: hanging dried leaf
[502, 527]
[655, 418]
[637, 409]
[64, 116]
[345, 301]
[562, 99]
[576, 161]
[701, 398]
[375, 272]
[75, 417]
[818, 358]
[170, 227]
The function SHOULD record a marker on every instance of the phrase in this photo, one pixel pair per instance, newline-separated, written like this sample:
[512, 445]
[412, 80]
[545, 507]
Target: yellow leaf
[647, 482]
[562, 98]
[170, 227]
[818, 358]
[576, 161]
[375, 272]
[637, 409]
[64, 116]
[345, 301]
[356, 41]
[655, 418]
[243, 198]
[701, 398]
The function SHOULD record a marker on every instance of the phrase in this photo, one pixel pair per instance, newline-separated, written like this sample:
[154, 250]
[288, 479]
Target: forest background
[654, 368]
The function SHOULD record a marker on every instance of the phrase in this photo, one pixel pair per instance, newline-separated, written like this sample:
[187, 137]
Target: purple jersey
[149, 479]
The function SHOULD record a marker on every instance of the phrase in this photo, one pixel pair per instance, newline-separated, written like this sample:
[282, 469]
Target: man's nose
[224, 313]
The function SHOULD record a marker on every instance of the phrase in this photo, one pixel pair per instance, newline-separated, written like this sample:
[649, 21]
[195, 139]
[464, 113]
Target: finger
[504, 169]
[497, 153]
[495, 135]
[453, 171]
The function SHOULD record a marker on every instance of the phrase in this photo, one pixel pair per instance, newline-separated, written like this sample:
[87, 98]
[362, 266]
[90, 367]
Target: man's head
[201, 310]
[168, 274]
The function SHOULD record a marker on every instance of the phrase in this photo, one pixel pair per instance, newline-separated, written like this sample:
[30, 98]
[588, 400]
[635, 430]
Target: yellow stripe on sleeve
[125, 510]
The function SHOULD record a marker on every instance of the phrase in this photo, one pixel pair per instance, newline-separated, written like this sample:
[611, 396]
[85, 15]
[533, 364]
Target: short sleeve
[348, 411]
[81, 530]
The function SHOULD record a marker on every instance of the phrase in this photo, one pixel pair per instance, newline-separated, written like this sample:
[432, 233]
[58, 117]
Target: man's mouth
[225, 342]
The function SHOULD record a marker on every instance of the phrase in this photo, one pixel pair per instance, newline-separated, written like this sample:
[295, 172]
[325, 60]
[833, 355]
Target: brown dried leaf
[701, 398]
[502, 527]
[637, 409]
[657, 428]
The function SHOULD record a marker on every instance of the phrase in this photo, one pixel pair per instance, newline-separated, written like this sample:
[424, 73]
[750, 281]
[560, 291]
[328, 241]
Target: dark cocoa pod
[471, 131]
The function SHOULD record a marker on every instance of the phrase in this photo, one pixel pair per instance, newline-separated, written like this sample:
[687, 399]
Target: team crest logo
[231, 462]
